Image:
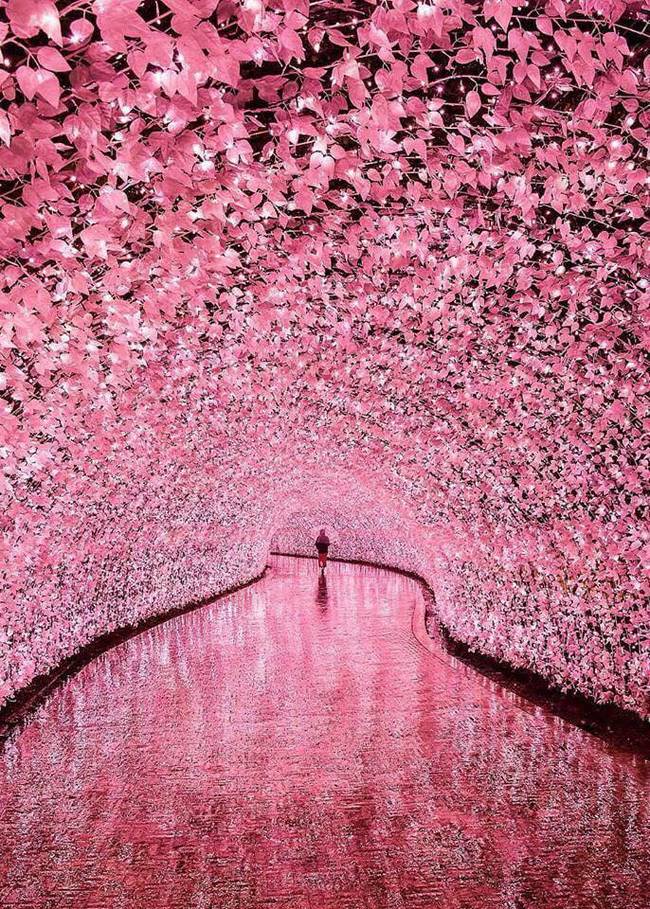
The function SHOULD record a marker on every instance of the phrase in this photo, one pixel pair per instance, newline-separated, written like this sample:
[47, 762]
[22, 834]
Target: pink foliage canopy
[249, 247]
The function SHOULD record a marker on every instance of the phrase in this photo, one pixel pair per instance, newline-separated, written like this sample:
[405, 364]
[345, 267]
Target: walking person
[322, 548]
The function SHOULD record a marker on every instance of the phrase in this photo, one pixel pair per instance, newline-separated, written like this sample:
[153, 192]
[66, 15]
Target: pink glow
[268, 258]
[293, 746]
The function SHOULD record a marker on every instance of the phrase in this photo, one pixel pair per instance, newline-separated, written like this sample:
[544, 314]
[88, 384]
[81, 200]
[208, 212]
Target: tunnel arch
[191, 535]
[226, 278]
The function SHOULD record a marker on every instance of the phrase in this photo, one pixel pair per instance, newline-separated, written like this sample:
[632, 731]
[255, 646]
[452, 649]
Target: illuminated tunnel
[259, 253]
[187, 524]
[271, 265]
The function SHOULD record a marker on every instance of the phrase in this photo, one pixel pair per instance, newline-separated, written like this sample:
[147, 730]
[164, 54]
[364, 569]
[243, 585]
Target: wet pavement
[293, 747]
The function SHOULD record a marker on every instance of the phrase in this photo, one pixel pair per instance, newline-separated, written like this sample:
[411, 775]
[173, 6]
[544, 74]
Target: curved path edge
[21, 705]
[622, 728]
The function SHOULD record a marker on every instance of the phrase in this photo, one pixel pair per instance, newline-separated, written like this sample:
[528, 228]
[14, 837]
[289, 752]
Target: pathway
[293, 747]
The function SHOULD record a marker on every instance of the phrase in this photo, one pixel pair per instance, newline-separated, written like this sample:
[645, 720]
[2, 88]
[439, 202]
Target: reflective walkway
[293, 746]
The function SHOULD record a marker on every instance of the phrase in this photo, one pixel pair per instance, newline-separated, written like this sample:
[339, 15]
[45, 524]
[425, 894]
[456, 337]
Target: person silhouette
[322, 548]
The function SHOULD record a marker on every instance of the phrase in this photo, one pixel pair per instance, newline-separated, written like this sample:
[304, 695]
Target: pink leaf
[466, 55]
[28, 17]
[503, 13]
[27, 81]
[48, 87]
[472, 104]
[534, 75]
[50, 58]
[291, 44]
[80, 31]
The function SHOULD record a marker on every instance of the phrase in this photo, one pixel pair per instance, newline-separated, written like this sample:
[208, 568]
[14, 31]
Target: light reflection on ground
[293, 746]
